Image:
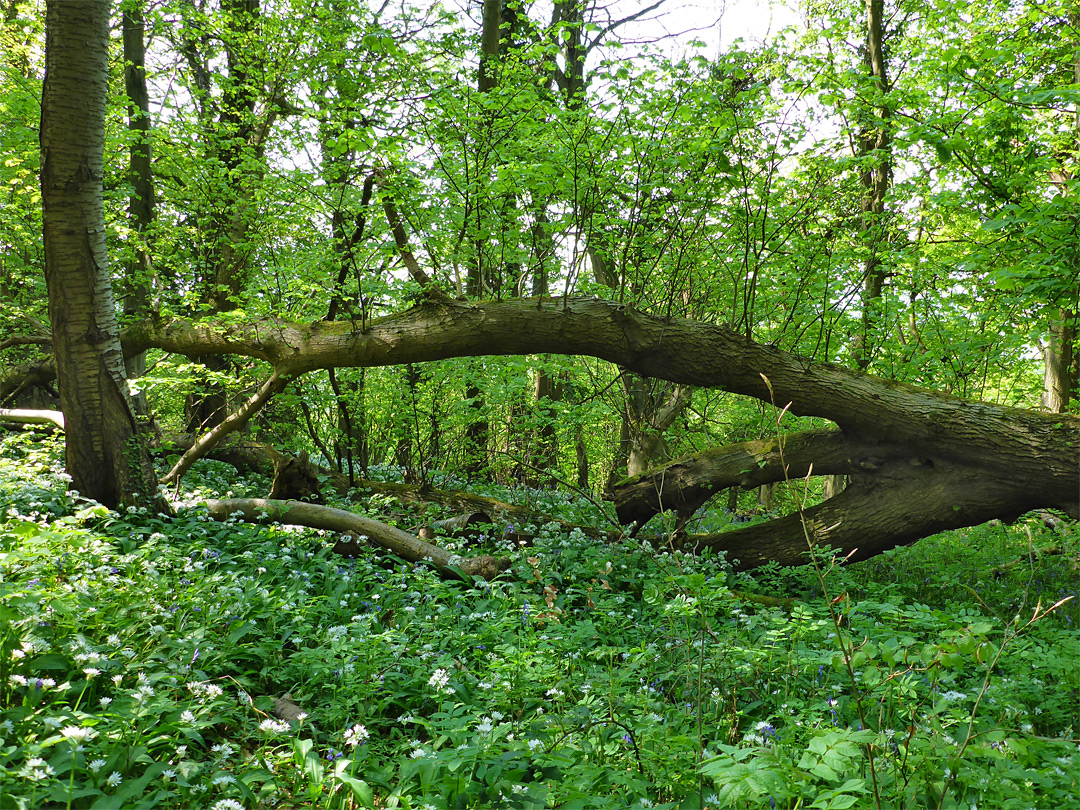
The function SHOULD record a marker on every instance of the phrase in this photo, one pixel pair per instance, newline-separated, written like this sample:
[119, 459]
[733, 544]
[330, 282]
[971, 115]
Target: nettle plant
[149, 662]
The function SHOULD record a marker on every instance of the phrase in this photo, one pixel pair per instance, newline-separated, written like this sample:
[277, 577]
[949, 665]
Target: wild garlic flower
[439, 679]
[356, 735]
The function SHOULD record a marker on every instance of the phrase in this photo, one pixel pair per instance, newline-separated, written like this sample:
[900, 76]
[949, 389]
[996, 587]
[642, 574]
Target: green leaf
[360, 789]
[308, 761]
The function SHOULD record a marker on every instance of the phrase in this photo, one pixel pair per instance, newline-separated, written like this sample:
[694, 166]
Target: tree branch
[32, 417]
[896, 506]
[25, 340]
[232, 423]
[687, 483]
[401, 239]
[406, 546]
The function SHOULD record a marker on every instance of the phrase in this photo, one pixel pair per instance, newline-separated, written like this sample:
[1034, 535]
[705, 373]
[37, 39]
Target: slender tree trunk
[138, 272]
[480, 278]
[548, 390]
[490, 38]
[106, 451]
[652, 408]
[834, 485]
[1061, 360]
[582, 452]
[231, 139]
[875, 143]
[567, 22]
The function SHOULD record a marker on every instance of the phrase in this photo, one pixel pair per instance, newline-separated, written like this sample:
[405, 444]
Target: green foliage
[141, 661]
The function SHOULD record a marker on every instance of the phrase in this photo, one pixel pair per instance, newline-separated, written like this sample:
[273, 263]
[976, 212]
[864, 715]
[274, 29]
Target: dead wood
[26, 416]
[407, 546]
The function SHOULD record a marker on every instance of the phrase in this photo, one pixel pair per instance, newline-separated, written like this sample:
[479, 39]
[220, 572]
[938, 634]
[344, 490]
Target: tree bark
[991, 460]
[236, 140]
[651, 408]
[875, 145]
[26, 416]
[406, 546]
[137, 273]
[897, 505]
[1059, 362]
[687, 483]
[106, 452]
[235, 421]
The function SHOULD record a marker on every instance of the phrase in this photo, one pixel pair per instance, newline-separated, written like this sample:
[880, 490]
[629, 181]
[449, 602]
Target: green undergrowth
[187, 663]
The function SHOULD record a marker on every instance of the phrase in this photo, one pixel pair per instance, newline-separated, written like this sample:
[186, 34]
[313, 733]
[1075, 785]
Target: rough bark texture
[1059, 362]
[106, 454]
[406, 546]
[920, 460]
[895, 506]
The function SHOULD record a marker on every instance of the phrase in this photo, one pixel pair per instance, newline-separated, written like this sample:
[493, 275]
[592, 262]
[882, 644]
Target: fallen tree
[30, 416]
[403, 544]
[249, 456]
[920, 461]
[255, 457]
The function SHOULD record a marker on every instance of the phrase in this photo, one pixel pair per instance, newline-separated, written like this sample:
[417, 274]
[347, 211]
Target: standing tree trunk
[481, 279]
[875, 152]
[137, 275]
[106, 452]
[236, 140]
[875, 174]
[1061, 361]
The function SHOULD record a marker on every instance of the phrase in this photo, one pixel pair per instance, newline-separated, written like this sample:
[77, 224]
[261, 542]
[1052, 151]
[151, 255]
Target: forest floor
[184, 662]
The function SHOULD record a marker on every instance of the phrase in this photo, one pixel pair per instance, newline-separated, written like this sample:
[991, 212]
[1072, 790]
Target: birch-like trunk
[106, 454]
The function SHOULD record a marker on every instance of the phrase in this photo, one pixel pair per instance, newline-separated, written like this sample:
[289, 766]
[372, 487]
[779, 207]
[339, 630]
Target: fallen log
[248, 456]
[687, 483]
[26, 416]
[407, 546]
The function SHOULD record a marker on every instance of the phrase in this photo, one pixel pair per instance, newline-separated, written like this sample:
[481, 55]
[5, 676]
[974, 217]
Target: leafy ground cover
[146, 662]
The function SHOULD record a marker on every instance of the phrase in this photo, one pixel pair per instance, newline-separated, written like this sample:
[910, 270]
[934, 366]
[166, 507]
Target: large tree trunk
[919, 460]
[106, 452]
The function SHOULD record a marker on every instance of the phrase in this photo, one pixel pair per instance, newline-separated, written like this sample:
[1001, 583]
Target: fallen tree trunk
[406, 546]
[26, 416]
[897, 504]
[687, 483]
[249, 456]
[920, 460]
